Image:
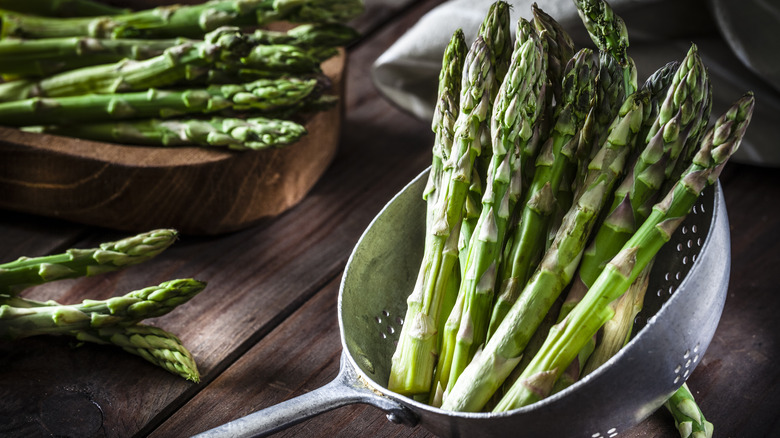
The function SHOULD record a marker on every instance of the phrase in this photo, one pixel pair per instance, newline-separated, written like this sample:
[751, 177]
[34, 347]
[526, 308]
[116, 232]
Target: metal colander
[683, 304]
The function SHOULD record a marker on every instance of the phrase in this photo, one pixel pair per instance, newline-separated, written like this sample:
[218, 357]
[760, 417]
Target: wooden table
[265, 329]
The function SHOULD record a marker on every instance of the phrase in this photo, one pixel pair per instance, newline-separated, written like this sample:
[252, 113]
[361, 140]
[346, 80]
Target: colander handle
[344, 390]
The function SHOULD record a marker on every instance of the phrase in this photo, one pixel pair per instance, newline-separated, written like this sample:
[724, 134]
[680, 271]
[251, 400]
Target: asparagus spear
[43, 57]
[109, 256]
[517, 107]
[608, 31]
[491, 367]
[494, 29]
[559, 48]
[154, 344]
[264, 95]
[32, 319]
[62, 8]
[415, 357]
[445, 113]
[191, 21]
[688, 418]
[254, 133]
[568, 337]
[555, 160]
[683, 107]
[188, 60]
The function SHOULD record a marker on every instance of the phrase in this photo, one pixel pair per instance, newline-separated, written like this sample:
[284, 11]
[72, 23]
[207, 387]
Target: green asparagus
[254, 133]
[559, 48]
[483, 376]
[191, 21]
[415, 357]
[21, 321]
[185, 61]
[62, 8]
[688, 418]
[445, 113]
[155, 345]
[555, 160]
[110, 256]
[43, 57]
[267, 96]
[517, 107]
[568, 337]
[608, 31]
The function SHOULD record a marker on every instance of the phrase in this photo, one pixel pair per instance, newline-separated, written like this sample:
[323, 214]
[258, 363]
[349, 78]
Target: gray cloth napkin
[659, 31]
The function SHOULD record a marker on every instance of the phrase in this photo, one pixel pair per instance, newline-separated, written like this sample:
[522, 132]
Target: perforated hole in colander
[608, 434]
[389, 326]
[674, 261]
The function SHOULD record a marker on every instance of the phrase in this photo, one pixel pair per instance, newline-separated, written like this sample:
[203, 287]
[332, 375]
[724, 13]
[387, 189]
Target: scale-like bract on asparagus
[416, 354]
[109, 256]
[566, 338]
[688, 418]
[260, 96]
[487, 372]
[51, 319]
[254, 133]
[191, 21]
[154, 344]
[519, 104]
[556, 159]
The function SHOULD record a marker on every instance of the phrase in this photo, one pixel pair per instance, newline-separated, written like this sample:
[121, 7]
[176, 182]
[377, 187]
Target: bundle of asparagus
[77, 76]
[115, 321]
[618, 168]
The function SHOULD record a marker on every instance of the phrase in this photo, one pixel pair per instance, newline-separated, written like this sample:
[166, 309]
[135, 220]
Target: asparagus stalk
[559, 48]
[517, 107]
[254, 133]
[415, 357]
[154, 344]
[43, 57]
[682, 108]
[608, 31]
[568, 337]
[45, 318]
[109, 256]
[490, 368]
[556, 159]
[494, 29]
[267, 96]
[191, 21]
[185, 61]
[445, 113]
[688, 418]
[62, 8]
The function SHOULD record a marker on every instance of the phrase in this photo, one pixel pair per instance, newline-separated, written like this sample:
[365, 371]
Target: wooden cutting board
[135, 188]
